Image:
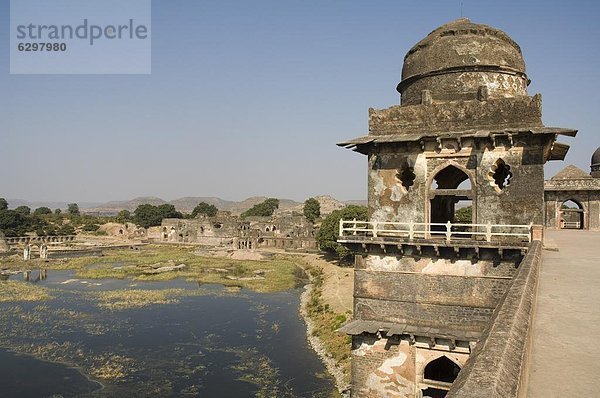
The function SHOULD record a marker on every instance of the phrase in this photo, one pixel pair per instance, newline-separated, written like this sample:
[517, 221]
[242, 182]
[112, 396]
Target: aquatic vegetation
[258, 369]
[144, 265]
[19, 291]
[112, 367]
[134, 298]
[92, 327]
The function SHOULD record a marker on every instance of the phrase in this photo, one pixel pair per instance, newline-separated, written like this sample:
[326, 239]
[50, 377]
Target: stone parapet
[499, 113]
[496, 366]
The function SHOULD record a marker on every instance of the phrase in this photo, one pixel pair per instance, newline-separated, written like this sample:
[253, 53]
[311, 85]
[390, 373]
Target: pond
[187, 340]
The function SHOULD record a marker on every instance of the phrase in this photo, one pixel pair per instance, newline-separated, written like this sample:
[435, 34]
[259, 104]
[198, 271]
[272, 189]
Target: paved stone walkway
[565, 357]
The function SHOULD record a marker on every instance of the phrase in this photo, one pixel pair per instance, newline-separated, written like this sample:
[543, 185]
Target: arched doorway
[571, 215]
[440, 373]
[451, 197]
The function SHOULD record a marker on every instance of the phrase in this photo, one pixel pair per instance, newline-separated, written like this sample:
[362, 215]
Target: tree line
[45, 221]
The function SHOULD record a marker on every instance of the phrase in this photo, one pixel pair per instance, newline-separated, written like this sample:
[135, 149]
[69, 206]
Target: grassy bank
[326, 322]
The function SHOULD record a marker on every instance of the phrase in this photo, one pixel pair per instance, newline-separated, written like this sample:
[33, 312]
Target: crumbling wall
[391, 367]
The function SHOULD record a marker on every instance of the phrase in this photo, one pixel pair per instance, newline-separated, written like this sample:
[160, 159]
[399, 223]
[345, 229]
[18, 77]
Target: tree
[168, 211]
[90, 227]
[330, 228]
[3, 204]
[147, 216]
[312, 209]
[123, 216]
[23, 210]
[263, 209]
[73, 209]
[57, 211]
[41, 211]
[66, 229]
[11, 222]
[205, 209]
[463, 215]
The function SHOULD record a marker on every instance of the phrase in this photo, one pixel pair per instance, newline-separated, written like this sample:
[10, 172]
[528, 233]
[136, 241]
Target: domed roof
[462, 46]
[596, 158]
[570, 173]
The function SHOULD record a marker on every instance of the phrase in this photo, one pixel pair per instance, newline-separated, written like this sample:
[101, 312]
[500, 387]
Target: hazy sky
[249, 97]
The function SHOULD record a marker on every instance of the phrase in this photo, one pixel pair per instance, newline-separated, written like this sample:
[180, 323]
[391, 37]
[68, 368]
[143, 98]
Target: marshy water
[199, 340]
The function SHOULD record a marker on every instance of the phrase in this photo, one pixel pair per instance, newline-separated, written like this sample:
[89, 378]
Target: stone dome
[596, 160]
[459, 58]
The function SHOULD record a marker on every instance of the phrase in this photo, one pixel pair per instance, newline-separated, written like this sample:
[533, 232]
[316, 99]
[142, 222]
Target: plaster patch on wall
[386, 380]
[384, 213]
[379, 185]
[396, 193]
[380, 263]
[365, 347]
[458, 267]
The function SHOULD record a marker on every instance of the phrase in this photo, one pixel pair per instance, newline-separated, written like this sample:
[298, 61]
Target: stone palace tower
[466, 145]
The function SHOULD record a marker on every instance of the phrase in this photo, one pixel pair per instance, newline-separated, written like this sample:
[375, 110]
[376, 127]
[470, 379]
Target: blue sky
[249, 98]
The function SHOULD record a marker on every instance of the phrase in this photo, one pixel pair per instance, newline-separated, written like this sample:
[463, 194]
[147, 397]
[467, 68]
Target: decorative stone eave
[363, 144]
[579, 184]
[411, 333]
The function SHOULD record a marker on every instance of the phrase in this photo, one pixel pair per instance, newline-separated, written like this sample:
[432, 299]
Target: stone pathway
[565, 357]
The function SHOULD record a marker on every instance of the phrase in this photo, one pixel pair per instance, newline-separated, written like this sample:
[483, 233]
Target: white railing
[449, 231]
[571, 225]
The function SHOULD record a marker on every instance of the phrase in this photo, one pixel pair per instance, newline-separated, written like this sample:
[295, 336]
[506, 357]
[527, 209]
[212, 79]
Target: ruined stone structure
[465, 134]
[3, 245]
[573, 198]
[285, 232]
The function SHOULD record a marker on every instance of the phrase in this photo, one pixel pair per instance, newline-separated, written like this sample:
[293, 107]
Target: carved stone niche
[449, 145]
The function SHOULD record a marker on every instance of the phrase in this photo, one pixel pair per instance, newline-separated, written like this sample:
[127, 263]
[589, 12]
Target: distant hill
[131, 205]
[13, 203]
[187, 204]
[356, 202]
[328, 204]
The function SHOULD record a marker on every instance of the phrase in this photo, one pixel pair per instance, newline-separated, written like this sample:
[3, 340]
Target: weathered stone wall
[496, 366]
[287, 232]
[436, 292]
[383, 367]
[495, 114]
[589, 201]
[520, 202]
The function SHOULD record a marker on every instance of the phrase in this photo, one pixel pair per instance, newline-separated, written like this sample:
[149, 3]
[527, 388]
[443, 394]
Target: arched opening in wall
[441, 369]
[500, 175]
[451, 190]
[571, 215]
[440, 373]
